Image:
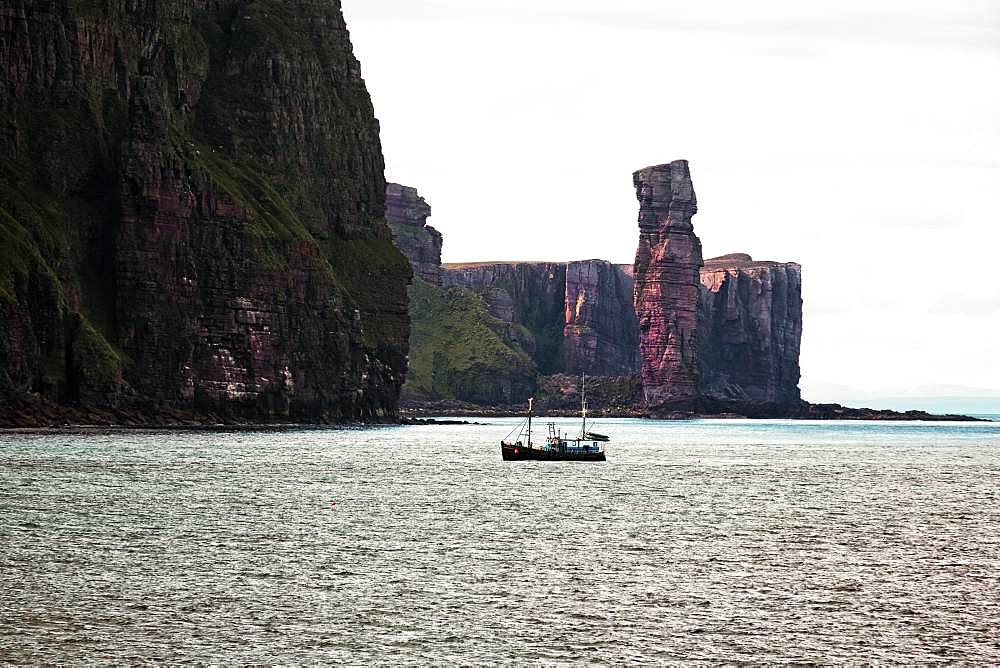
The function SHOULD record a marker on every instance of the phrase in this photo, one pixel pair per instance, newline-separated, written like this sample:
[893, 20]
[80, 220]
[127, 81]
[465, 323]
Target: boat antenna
[531, 401]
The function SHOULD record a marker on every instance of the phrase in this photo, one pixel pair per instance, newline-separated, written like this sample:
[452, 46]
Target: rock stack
[716, 336]
[407, 213]
[667, 284]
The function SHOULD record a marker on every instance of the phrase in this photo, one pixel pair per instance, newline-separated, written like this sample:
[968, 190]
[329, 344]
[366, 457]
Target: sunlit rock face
[706, 336]
[727, 329]
[601, 335]
[750, 329]
[667, 269]
[407, 213]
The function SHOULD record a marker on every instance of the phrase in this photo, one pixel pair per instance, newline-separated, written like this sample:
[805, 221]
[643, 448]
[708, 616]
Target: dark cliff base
[40, 414]
[558, 395]
[431, 409]
[705, 409]
[45, 415]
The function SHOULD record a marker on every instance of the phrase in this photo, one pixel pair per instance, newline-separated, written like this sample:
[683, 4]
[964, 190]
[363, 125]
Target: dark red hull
[513, 452]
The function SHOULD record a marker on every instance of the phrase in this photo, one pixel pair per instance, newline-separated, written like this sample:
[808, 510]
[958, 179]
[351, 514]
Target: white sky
[858, 138]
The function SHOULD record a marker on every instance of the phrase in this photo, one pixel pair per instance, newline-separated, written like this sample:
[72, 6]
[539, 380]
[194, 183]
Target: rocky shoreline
[714, 411]
[220, 249]
[23, 416]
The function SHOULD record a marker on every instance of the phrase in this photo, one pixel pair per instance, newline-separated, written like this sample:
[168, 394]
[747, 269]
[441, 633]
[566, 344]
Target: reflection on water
[703, 541]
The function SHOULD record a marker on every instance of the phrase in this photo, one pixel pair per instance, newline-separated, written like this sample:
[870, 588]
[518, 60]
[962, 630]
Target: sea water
[705, 541]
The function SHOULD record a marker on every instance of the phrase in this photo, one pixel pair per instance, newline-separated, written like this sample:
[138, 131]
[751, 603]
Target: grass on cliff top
[454, 334]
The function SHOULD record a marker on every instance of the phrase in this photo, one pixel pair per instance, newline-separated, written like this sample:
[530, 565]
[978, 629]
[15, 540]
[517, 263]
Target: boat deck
[521, 452]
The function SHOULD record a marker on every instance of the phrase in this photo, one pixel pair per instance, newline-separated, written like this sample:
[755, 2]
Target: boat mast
[530, 402]
[583, 406]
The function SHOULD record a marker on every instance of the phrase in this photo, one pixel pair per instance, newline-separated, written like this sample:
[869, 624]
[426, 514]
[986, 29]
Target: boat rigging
[587, 447]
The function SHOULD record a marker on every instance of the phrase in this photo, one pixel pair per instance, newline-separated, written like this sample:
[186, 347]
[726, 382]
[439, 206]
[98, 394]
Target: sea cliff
[665, 334]
[717, 337]
[720, 335]
[750, 330]
[668, 262]
[496, 333]
[192, 211]
[407, 213]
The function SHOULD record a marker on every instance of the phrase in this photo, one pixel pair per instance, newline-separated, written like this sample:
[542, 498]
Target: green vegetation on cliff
[279, 170]
[96, 367]
[461, 355]
[191, 212]
[459, 351]
[45, 244]
[375, 274]
[19, 255]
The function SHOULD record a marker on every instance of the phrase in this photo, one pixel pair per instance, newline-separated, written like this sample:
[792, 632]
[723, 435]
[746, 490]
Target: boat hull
[513, 452]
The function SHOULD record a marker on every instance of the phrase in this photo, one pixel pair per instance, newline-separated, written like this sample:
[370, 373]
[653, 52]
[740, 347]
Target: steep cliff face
[492, 331]
[727, 330]
[461, 352]
[579, 314]
[529, 294]
[601, 336]
[407, 212]
[750, 330]
[193, 207]
[720, 336]
[667, 284]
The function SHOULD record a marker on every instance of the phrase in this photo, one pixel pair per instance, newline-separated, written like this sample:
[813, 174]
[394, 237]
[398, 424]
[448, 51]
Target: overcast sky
[858, 138]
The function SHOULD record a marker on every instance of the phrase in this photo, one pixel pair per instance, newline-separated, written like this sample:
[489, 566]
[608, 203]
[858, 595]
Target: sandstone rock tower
[667, 283]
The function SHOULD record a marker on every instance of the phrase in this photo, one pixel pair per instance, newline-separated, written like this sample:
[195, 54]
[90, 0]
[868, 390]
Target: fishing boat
[557, 446]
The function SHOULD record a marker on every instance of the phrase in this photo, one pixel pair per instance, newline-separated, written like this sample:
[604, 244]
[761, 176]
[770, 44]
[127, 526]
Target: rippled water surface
[699, 541]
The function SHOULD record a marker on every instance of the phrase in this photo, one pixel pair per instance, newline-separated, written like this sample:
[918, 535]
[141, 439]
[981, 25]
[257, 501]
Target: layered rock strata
[579, 315]
[460, 351]
[192, 212]
[601, 336]
[529, 295]
[716, 335]
[667, 284]
[407, 212]
[750, 329]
